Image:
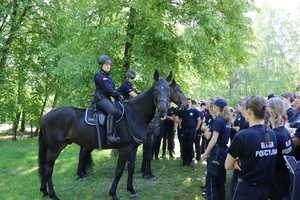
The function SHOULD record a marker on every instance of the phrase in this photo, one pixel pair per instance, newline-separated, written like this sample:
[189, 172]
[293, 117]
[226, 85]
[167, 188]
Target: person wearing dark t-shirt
[190, 124]
[239, 124]
[126, 89]
[296, 143]
[278, 117]
[198, 133]
[216, 150]
[253, 152]
[168, 133]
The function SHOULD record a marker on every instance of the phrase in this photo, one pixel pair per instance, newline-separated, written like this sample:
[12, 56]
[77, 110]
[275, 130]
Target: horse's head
[176, 95]
[161, 95]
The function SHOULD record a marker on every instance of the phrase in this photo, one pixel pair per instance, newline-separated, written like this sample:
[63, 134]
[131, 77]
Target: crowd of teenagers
[250, 139]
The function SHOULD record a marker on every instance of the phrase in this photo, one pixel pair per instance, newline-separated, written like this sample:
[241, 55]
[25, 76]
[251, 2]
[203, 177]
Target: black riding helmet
[130, 74]
[104, 59]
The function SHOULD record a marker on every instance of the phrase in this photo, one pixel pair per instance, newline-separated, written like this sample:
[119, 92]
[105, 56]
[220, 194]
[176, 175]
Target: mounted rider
[126, 89]
[105, 89]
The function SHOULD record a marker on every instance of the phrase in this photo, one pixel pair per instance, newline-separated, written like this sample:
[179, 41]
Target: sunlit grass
[19, 179]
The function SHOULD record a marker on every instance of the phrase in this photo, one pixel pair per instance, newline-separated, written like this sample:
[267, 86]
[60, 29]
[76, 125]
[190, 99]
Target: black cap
[220, 103]
[104, 59]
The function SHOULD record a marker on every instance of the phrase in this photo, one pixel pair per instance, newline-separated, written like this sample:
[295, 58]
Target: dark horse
[66, 125]
[85, 158]
[177, 97]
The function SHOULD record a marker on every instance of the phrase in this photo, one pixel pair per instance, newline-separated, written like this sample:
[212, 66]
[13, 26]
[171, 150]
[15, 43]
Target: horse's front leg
[131, 165]
[119, 171]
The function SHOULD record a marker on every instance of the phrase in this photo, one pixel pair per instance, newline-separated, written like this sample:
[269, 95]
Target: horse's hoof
[54, 197]
[115, 198]
[150, 177]
[134, 195]
[45, 192]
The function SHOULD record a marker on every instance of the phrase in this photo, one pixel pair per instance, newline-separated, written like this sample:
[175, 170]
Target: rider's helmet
[130, 74]
[104, 59]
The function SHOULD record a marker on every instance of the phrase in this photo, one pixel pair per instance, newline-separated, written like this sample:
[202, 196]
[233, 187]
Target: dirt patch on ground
[10, 137]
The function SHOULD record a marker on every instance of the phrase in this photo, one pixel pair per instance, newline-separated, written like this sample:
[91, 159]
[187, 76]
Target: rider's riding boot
[110, 133]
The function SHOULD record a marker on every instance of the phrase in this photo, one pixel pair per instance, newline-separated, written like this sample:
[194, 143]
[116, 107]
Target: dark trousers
[281, 186]
[180, 139]
[108, 107]
[197, 146]
[247, 191]
[188, 149]
[168, 140]
[215, 187]
[216, 174]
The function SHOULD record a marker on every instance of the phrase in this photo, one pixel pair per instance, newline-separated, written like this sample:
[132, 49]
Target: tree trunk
[55, 99]
[41, 115]
[31, 129]
[23, 120]
[15, 125]
[129, 41]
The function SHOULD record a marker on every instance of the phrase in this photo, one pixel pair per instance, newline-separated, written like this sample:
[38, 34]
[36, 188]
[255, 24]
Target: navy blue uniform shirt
[241, 122]
[297, 133]
[284, 146]
[220, 125]
[258, 158]
[208, 118]
[125, 89]
[189, 118]
[297, 149]
[294, 120]
[105, 86]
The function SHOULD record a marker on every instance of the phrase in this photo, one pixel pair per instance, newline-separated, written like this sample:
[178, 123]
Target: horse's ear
[170, 76]
[156, 75]
[173, 83]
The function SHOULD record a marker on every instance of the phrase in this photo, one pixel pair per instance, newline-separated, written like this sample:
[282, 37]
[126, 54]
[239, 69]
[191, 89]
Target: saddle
[94, 116]
[97, 118]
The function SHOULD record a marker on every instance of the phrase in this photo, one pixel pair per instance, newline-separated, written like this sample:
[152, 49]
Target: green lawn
[19, 178]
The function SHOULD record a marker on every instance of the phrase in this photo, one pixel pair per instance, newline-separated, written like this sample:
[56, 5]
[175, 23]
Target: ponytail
[267, 124]
[260, 110]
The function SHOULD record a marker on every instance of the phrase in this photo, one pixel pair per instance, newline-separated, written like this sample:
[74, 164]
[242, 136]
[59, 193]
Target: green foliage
[273, 66]
[52, 57]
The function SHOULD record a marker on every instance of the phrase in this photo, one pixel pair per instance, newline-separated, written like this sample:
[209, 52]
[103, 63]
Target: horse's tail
[42, 152]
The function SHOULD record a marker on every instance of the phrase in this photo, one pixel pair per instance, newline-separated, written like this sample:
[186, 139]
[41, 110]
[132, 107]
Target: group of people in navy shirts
[251, 140]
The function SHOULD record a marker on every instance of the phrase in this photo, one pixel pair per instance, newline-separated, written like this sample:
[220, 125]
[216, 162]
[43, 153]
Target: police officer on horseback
[105, 89]
[126, 89]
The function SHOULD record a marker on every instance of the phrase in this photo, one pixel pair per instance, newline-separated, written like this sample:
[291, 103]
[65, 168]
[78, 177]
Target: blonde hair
[277, 110]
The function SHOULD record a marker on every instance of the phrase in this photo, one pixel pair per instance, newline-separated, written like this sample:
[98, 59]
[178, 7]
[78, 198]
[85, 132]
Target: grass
[19, 178]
